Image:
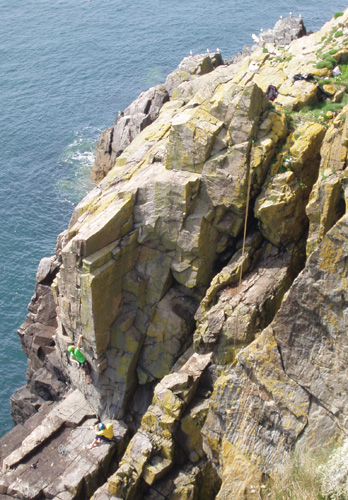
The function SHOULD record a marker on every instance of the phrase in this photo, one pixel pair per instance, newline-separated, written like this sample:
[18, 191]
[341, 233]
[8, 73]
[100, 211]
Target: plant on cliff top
[298, 479]
[343, 78]
[334, 474]
[320, 111]
[338, 14]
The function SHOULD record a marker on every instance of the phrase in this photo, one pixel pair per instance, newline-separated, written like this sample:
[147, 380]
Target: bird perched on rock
[253, 66]
[191, 53]
[255, 37]
[218, 50]
[208, 51]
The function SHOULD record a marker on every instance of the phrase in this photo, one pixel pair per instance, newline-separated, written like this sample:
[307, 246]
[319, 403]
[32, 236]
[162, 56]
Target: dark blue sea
[67, 67]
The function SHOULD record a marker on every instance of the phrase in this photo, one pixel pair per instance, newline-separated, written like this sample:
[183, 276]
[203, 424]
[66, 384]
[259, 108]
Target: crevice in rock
[312, 397]
[109, 151]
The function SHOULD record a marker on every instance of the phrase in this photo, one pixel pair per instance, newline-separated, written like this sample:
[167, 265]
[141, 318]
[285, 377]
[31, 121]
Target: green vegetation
[327, 56]
[265, 50]
[323, 111]
[325, 81]
[338, 34]
[299, 479]
[327, 61]
[324, 64]
[338, 14]
[343, 78]
[310, 476]
[320, 111]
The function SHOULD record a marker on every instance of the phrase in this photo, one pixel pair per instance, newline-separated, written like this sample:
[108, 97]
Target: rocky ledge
[207, 274]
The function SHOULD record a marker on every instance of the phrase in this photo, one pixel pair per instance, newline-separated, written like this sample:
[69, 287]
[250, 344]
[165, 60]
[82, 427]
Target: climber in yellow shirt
[103, 432]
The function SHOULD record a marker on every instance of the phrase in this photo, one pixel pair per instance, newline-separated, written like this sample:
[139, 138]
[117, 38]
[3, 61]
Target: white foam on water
[77, 161]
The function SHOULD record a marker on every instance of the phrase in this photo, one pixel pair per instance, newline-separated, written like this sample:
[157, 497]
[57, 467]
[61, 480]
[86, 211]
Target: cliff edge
[207, 275]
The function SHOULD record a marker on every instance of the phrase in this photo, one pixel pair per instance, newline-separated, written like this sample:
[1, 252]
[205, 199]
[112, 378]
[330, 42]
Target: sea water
[67, 68]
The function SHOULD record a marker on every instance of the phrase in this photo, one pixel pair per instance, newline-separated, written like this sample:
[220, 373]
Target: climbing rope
[243, 251]
[245, 222]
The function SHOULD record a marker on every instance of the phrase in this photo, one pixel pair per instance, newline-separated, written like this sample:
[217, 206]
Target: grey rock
[47, 269]
[65, 469]
[284, 31]
[145, 110]
[24, 404]
[190, 68]
[129, 123]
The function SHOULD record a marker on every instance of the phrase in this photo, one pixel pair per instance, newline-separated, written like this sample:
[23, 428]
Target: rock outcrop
[144, 110]
[284, 32]
[46, 379]
[207, 275]
[52, 461]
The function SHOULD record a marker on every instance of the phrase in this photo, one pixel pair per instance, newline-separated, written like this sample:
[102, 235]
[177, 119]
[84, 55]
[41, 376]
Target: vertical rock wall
[198, 234]
[141, 249]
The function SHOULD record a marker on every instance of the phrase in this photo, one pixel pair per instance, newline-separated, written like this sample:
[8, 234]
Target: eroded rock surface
[46, 380]
[289, 382]
[143, 250]
[51, 460]
[185, 271]
[144, 110]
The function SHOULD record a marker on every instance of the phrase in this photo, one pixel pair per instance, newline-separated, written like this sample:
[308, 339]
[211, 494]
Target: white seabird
[254, 37]
[253, 66]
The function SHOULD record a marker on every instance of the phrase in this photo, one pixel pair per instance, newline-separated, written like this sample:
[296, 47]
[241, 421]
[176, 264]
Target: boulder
[46, 380]
[129, 123]
[192, 67]
[281, 205]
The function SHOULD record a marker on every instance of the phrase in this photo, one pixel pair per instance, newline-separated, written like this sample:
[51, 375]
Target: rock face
[144, 110]
[46, 380]
[284, 32]
[52, 460]
[286, 388]
[144, 259]
[207, 275]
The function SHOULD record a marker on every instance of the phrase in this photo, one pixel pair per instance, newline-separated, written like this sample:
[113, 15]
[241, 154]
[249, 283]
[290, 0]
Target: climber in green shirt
[76, 356]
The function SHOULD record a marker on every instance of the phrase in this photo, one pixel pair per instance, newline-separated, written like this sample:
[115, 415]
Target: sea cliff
[206, 272]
